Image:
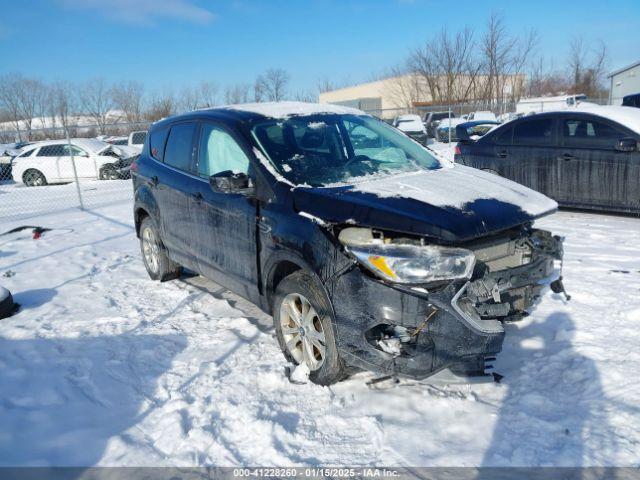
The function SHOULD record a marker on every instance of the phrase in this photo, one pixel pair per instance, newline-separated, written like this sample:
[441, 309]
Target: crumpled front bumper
[457, 327]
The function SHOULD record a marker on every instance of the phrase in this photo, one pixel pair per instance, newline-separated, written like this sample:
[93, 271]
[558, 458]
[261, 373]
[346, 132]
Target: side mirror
[230, 182]
[627, 145]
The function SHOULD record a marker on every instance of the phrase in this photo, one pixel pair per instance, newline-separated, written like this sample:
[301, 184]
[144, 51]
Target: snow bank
[103, 366]
[288, 109]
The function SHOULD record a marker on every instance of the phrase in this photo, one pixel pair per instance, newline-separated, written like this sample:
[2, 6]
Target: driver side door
[225, 243]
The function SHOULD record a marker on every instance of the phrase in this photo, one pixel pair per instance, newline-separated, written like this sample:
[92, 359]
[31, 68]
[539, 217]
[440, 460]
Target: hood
[454, 203]
[123, 151]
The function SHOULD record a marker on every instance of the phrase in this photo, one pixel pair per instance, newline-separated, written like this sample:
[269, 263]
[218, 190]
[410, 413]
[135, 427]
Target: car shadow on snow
[63, 400]
[554, 412]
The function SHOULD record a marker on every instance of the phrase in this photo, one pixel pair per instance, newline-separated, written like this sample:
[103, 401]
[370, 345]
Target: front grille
[501, 254]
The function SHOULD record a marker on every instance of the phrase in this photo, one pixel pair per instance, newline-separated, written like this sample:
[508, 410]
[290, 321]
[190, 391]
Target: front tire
[304, 327]
[108, 172]
[34, 178]
[154, 254]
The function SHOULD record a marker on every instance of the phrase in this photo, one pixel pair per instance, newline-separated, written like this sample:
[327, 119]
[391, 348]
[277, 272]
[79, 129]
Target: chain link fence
[62, 168]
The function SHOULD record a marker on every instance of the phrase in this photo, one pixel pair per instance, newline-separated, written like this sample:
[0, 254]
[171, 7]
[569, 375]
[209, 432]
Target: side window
[52, 151]
[28, 153]
[504, 136]
[157, 141]
[180, 146]
[590, 134]
[219, 152]
[533, 132]
[75, 150]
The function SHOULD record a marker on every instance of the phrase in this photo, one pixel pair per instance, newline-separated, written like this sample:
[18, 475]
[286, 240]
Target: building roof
[628, 67]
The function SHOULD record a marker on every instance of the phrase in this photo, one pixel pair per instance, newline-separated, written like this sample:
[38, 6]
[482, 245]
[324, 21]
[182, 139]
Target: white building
[625, 81]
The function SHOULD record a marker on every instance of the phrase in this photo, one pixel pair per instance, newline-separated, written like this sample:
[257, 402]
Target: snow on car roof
[289, 109]
[91, 144]
[409, 117]
[627, 116]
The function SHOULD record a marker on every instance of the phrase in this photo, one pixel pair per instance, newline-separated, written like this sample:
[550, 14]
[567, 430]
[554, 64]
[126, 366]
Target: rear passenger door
[528, 158]
[225, 240]
[48, 160]
[592, 172]
[172, 184]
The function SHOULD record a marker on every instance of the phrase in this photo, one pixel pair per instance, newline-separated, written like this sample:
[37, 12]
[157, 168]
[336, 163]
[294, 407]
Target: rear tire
[306, 332]
[34, 178]
[154, 254]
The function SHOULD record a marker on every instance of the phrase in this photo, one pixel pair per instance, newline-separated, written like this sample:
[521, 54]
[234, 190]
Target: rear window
[533, 132]
[157, 139]
[52, 151]
[179, 146]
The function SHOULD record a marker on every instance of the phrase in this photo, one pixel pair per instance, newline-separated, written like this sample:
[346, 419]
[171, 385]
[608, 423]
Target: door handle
[503, 154]
[196, 196]
[154, 180]
[567, 156]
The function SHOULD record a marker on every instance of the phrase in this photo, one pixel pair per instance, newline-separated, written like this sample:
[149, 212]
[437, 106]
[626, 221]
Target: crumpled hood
[454, 203]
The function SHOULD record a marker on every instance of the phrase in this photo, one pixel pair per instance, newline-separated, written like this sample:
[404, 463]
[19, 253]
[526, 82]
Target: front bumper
[457, 327]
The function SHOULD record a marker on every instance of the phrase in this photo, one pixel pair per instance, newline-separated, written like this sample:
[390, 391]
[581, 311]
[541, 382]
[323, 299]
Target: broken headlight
[404, 262]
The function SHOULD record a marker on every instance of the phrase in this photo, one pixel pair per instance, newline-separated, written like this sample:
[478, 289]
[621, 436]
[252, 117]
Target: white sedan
[53, 161]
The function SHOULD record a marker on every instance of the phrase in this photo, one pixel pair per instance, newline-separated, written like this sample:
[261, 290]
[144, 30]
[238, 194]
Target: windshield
[320, 150]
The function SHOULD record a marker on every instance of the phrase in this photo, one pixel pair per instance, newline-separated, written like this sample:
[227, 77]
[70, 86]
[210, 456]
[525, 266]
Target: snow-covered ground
[102, 366]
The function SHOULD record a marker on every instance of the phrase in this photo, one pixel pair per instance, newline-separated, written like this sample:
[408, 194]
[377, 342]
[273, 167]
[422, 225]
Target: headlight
[409, 263]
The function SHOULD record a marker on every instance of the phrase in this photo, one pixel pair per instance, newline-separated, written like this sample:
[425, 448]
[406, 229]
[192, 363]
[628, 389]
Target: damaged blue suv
[369, 251]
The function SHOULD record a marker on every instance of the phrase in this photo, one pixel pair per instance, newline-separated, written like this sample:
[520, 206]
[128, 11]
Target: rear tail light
[457, 150]
[134, 165]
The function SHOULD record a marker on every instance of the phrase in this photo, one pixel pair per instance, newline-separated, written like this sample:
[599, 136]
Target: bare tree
[271, 86]
[127, 97]
[9, 100]
[447, 66]
[188, 99]
[405, 87]
[305, 96]
[208, 94]
[62, 103]
[96, 101]
[238, 93]
[325, 84]
[587, 66]
[161, 105]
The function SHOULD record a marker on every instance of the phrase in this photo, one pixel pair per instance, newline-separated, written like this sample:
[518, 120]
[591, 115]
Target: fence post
[75, 172]
[449, 130]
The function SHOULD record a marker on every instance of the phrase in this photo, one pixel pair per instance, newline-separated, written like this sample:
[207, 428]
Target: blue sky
[171, 43]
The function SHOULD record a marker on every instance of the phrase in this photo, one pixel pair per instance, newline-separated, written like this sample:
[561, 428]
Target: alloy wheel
[151, 250]
[302, 331]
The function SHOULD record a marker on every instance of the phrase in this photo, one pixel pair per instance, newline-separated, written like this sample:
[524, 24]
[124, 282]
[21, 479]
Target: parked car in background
[528, 106]
[507, 117]
[369, 252]
[136, 139]
[412, 126]
[482, 115]
[476, 129]
[631, 100]
[43, 163]
[7, 152]
[583, 158]
[432, 120]
[117, 140]
[444, 127]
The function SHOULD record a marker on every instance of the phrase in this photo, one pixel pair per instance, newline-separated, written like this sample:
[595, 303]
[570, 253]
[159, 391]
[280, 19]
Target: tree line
[26, 102]
[494, 65]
